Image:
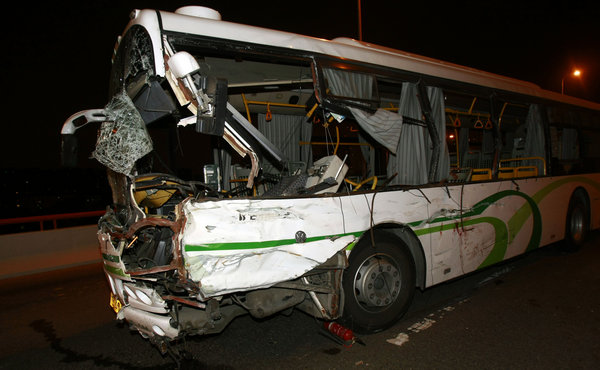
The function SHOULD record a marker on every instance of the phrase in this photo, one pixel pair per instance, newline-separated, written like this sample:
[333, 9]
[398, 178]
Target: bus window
[590, 150]
[523, 152]
[469, 139]
[565, 140]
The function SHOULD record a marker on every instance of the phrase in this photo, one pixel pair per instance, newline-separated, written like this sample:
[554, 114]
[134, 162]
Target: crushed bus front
[218, 259]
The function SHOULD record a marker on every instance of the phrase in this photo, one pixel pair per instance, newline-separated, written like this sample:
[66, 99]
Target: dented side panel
[242, 244]
[222, 272]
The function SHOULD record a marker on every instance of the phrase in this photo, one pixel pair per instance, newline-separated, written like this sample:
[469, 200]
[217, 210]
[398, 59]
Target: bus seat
[481, 174]
[526, 171]
[506, 173]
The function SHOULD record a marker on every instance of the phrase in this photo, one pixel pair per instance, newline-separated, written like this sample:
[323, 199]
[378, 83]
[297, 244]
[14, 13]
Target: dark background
[57, 58]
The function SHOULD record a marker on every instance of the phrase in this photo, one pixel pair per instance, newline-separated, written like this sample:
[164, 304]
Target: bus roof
[342, 48]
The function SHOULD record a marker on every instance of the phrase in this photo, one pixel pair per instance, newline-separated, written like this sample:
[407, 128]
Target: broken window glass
[133, 63]
[123, 138]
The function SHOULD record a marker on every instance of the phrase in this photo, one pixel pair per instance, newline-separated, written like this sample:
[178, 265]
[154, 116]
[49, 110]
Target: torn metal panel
[244, 244]
[113, 264]
[123, 139]
[246, 220]
[223, 272]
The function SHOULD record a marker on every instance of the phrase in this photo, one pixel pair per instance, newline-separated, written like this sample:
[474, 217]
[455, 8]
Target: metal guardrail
[53, 218]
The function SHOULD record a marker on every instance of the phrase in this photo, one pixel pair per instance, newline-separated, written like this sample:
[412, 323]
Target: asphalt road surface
[537, 311]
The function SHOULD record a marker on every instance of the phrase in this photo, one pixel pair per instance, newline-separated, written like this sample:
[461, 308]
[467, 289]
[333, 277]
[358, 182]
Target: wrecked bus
[256, 171]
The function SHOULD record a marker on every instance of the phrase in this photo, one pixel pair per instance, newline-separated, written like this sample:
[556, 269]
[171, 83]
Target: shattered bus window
[134, 62]
[123, 139]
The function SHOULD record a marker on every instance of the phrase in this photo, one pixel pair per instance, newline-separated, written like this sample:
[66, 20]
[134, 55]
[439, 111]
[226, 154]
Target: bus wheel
[379, 284]
[578, 222]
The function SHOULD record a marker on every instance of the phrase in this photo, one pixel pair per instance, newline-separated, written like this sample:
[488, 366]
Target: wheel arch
[578, 221]
[581, 192]
[407, 235]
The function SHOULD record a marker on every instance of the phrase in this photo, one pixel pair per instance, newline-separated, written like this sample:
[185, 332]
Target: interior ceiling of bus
[269, 83]
[252, 74]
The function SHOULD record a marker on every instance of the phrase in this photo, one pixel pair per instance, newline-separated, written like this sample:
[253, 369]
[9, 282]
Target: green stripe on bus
[500, 241]
[261, 244]
[111, 258]
[515, 223]
[505, 233]
[508, 230]
[115, 270]
[540, 195]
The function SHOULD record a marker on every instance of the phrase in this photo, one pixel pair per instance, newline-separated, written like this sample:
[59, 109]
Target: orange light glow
[577, 73]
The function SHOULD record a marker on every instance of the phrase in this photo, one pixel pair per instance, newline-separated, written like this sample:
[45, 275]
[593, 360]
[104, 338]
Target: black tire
[578, 222]
[379, 284]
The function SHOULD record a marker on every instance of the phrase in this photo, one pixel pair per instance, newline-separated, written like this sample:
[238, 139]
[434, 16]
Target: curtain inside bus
[383, 126]
[410, 161]
[413, 155]
[438, 112]
[535, 141]
[285, 132]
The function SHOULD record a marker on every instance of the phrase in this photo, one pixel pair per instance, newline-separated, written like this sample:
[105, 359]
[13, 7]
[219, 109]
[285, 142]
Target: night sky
[56, 58]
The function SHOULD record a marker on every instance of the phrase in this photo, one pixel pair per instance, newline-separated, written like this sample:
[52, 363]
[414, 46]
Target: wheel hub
[577, 224]
[377, 282]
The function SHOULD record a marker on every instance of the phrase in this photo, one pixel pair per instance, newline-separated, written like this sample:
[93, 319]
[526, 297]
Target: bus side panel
[482, 224]
[275, 240]
[468, 225]
[400, 207]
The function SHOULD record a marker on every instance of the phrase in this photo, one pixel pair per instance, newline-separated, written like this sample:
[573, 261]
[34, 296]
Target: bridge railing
[44, 220]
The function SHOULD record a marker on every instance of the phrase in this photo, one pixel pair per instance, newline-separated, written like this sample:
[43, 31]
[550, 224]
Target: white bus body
[186, 257]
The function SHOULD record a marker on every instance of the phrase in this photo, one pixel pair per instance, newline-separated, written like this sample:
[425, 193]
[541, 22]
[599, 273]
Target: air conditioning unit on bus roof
[200, 12]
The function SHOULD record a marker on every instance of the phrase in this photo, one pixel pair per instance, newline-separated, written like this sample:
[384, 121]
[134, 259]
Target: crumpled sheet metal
[222, 272]
[242, 244]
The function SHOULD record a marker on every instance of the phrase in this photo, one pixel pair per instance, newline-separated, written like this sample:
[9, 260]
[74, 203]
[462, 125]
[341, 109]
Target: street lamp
[575, 73]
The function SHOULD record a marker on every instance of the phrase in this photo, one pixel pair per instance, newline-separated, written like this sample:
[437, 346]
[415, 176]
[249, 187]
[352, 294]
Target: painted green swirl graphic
[505, 233]
[519, 218]
[500, 230]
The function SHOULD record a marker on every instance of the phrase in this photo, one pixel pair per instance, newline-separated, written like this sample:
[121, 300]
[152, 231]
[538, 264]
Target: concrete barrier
[39, 251]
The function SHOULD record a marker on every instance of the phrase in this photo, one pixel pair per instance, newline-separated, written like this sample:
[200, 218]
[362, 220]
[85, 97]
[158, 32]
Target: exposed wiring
[424, 196]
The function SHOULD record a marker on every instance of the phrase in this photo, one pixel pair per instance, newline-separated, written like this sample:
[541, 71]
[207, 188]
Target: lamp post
[360, 32]
[575, 73]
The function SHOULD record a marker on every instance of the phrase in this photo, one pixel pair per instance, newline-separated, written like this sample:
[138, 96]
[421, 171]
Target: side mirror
[69, 148]
[69, 144]
[214, 124]
[211, 95]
